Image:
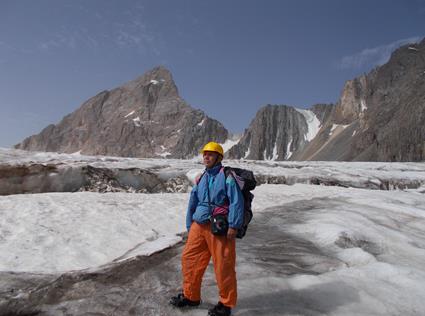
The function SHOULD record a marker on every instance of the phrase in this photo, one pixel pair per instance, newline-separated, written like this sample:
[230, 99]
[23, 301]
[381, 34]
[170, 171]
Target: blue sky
[228, 58]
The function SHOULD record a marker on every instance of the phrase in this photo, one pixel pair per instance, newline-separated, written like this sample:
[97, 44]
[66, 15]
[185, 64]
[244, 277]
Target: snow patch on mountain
[164, 154]
[247, 152]
[201, 122]
[288, 150]
[131, 113]
[137, 121]
[229, 143]
[275, 154]
[335, 126]
[313, 123]
[363, 105]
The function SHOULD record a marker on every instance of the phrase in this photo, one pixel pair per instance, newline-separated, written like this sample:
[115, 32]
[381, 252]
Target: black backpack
[246, 181]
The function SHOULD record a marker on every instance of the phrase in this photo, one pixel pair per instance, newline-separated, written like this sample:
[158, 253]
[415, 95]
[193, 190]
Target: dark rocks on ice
[346, 241]
[79, 176]
[40, 178]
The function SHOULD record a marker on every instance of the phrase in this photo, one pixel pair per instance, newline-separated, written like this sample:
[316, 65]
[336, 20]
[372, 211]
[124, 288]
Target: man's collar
[215, 169]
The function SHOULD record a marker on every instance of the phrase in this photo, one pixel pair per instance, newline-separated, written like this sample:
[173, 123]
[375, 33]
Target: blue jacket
[222, 191]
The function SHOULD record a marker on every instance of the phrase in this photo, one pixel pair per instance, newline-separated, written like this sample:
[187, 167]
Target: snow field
[382, 271]
[54, 232]
[376, 238]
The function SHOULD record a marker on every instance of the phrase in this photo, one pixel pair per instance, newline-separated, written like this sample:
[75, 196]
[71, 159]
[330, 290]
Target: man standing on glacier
[211, 235]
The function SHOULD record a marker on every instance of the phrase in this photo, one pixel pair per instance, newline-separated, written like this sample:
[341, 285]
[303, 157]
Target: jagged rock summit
[145, 117]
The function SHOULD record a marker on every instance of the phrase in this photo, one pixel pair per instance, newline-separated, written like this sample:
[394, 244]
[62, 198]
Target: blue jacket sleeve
[193, 203]
[236, 203]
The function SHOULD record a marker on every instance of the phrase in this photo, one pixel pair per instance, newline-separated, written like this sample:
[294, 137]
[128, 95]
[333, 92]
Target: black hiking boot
[220, 310]
[180, 301]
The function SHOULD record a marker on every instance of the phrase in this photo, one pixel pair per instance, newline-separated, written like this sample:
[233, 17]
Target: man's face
[210, 158]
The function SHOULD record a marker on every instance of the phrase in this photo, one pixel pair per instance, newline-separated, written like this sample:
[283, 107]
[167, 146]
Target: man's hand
[231, 233]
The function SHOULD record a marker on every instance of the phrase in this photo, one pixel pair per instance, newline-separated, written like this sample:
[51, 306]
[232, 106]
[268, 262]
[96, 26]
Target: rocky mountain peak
[145, 117]
[159, 79]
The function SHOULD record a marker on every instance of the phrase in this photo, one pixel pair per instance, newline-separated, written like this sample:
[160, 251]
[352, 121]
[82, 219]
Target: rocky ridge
[380, 116]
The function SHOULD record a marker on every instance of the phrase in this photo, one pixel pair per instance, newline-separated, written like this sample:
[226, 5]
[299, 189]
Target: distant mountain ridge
[380, 116]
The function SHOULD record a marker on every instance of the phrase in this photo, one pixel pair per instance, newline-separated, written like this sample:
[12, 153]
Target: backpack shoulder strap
[227, 171]
[199, 177]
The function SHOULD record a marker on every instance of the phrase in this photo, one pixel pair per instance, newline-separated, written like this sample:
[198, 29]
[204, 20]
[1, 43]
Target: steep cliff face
[275, 133]
[323, 112]
[380, 116]
[352, 103]
[393, 126]
[143, 118]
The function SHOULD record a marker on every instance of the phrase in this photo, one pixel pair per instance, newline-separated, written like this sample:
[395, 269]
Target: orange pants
[200, 246]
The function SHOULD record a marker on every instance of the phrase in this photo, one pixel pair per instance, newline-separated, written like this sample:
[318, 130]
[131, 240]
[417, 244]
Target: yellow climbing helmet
[213, 146]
